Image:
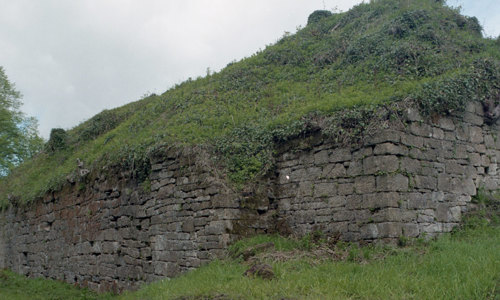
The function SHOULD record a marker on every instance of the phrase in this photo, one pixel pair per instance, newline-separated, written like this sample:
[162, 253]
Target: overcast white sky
[72, 59]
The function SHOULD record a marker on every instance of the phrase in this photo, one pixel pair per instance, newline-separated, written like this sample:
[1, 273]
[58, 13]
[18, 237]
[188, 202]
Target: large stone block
[305, 189]
[446, 124]
[413, 115]
[410, 230]
[390, 148]
[337, 201]
[421, 201]
[382, 200]
[421, 129]
[340, 155]
[321, 157]
[166, 269]
[447, 213]
[454, 185]
[345, 188]
[296, 175]
[218, 227]
[452, 167]
[334, 171]
[392, 182]
[395, 215]
[377, 164]
[473, 119]
[462, 132]
[476, 135]
[386, 135]
[424, 182]
[362, 153]
[410, 165]
[411, 140]
[312, 173]
[344, 215]
[437, 133]
[364, 184]
[369, 231]
[355, 168]
[324, 189]
[426, 216]
[389, 230]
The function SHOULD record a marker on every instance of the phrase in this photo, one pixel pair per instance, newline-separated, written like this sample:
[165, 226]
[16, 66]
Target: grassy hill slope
[383, 52]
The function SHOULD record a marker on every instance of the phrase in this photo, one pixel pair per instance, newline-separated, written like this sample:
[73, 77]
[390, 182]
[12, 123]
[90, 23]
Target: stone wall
[411, 179]
[113, 234]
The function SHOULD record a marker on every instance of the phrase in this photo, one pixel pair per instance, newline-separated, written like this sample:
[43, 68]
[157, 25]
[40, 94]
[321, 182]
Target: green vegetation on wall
[342, 64]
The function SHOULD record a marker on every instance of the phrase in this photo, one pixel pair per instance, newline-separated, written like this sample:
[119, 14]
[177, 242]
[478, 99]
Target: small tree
[19, 137]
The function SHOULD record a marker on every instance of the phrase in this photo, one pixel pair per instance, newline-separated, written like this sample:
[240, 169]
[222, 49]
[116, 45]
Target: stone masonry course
[411, 180]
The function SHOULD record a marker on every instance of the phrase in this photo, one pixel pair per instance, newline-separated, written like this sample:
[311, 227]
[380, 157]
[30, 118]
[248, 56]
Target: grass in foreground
[462, 265]
[465, 265]
[17, 287]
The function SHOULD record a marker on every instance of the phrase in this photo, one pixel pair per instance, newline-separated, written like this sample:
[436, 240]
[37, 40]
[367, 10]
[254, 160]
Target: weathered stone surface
[446, 124]
[446, 213]
[437, 133]
[321, 157]
[424, 182]
[383, 136]
[412, 140]
[412, 114]
[369, 231]
[410, 230]
[364, 184]
[381, 200]
[392, 182]
[389, 230]
[324, 189]
[377, 164]
[355, 168]
[421, 201]
[340, 155]
[334, 171]
[476, 135]
[421, 129]
[390, 148]
[401, 181]
[465, 186]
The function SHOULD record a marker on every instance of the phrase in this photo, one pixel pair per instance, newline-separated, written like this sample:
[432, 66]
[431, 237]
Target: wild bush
[99, 124]
[57, 141]
[317, 15]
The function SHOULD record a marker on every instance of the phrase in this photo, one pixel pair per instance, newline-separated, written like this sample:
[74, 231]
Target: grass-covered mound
[419, 51]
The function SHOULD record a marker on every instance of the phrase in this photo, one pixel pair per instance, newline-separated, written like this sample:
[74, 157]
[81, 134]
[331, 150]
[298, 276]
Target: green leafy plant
[317, 15]
[58, 140]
